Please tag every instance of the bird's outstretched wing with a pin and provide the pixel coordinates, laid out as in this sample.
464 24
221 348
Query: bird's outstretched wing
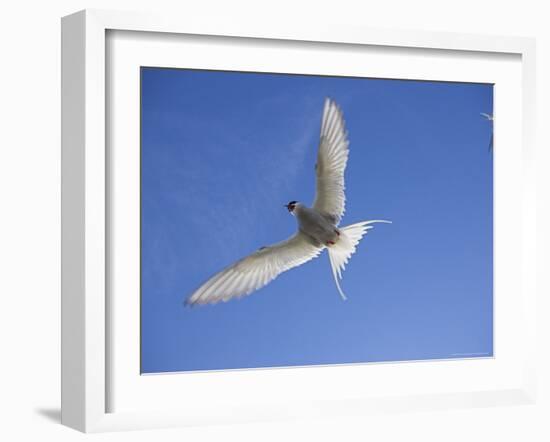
332 158
255 271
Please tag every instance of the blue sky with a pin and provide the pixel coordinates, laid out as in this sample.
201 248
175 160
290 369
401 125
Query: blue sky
221 154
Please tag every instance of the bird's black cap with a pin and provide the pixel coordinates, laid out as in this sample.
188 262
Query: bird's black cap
290 206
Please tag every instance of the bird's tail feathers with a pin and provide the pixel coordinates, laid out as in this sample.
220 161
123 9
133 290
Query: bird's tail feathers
340 252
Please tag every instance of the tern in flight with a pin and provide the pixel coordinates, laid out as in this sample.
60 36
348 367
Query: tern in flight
490 118
318 226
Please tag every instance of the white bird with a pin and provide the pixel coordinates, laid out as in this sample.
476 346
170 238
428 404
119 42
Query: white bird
490 118
317 226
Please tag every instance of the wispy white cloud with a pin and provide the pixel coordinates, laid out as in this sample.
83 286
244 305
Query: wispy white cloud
265 157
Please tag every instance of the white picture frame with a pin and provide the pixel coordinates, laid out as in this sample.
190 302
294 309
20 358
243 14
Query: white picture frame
86 315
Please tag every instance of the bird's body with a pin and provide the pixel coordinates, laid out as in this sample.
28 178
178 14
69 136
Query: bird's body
318 226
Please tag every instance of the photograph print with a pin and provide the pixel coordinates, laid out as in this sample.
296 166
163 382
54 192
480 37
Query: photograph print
301 220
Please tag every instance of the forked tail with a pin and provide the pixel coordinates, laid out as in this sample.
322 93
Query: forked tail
340 253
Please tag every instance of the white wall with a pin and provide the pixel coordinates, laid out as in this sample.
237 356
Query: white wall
30 221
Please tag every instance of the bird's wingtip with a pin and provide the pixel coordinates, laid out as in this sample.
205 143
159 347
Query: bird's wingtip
189 303
330 101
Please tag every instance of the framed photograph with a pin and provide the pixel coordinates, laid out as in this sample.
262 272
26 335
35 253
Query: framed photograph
265 223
